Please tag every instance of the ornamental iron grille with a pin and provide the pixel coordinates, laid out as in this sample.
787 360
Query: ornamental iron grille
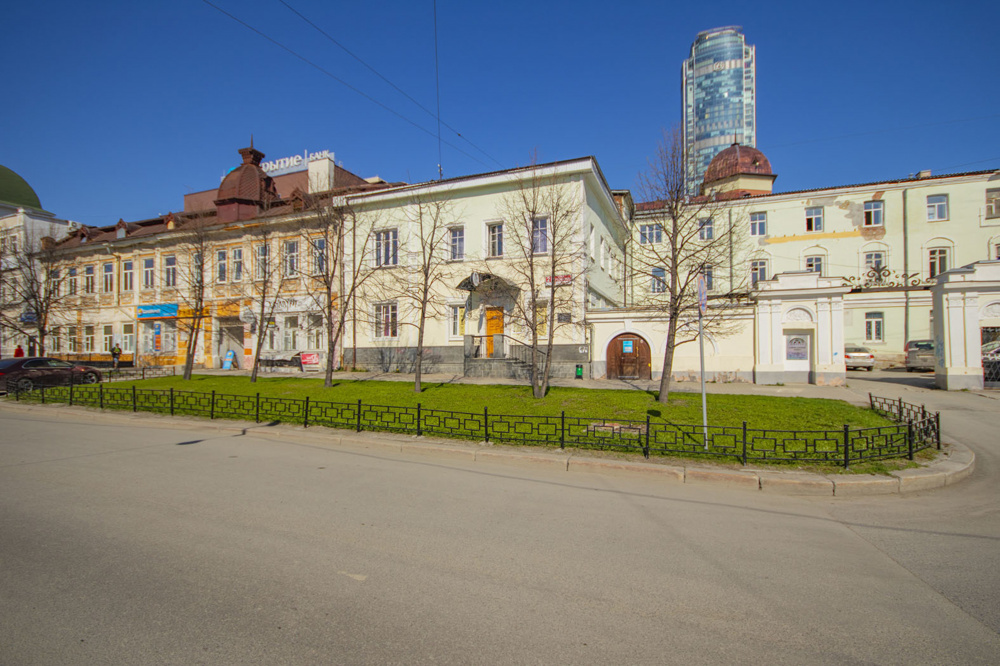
915 428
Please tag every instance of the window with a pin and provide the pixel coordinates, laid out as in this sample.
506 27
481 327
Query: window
170 271
318 256
814 219
540 236
659 284
159 336
291 333
221 266
315 332
874 327
128 275
385 320
937 207
938 261
72 282
457 318
291 263
709 273
55 341
88 338
495 232
73 341
261 261
542 319
706 229
198 268
758 224
993 203
108 278
758 271
456 244
874 260
109 338
148 274
814 264
237 264
650 233
873 213
128 338
387 248
88 280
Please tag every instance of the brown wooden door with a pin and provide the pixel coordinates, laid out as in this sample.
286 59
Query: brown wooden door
494 326
628 358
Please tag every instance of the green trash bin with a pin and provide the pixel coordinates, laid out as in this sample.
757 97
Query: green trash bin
579 371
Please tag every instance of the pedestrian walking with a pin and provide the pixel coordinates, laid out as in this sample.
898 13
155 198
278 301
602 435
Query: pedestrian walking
19 353
116 353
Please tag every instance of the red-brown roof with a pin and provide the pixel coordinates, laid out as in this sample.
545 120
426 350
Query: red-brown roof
737 160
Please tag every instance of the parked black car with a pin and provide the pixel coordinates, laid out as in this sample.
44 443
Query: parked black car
25 374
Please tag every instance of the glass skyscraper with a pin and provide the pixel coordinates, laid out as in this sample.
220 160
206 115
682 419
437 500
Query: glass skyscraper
719 97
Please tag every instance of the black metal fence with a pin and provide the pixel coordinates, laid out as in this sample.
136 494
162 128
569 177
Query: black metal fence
915 428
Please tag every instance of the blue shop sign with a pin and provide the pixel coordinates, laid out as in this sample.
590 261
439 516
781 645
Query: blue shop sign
158 311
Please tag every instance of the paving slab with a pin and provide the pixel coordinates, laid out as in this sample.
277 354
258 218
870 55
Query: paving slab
721 476
864 484
795 483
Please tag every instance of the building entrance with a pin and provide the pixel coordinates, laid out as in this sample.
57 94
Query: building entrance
628 358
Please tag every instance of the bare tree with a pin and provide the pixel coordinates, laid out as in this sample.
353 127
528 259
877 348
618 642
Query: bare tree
31 297
338 239
543 246
681 239
266 282
415 282
190 286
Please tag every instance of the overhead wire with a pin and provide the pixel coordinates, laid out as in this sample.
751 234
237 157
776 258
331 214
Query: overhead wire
389 82
339 80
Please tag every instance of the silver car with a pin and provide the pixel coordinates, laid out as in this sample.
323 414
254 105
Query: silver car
859 357
919 355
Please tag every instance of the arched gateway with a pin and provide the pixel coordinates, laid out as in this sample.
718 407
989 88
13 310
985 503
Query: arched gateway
628 357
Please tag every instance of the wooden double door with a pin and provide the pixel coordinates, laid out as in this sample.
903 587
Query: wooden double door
628 358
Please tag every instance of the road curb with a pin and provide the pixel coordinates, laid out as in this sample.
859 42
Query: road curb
955 463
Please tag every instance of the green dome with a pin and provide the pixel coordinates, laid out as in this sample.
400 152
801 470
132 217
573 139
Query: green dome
15 190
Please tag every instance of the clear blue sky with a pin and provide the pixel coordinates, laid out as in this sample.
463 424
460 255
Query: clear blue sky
117 109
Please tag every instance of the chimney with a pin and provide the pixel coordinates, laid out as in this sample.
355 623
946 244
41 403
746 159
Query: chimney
926 173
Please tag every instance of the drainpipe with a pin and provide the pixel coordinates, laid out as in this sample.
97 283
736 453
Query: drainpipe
906 271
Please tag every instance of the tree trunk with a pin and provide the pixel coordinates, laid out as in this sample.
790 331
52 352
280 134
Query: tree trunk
420 347
668 360
192 349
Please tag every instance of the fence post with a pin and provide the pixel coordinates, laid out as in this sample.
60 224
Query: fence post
71 393
144 373
43 395
211 411
900 408
305 414
909 440
645 448
937 419
745 442
257 409
171 400
923 413
562 430
100 393
135 404
419 431
871 400
486 425
847 445
359 415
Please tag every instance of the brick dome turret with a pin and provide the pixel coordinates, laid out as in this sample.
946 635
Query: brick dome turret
246 189
737 160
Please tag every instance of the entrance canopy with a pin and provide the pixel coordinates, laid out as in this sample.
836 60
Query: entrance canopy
485 282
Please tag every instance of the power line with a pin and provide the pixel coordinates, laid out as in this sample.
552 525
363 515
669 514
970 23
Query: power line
339 80
437 88
390 83
882 131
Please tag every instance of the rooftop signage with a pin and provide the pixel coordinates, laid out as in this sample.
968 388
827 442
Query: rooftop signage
293 163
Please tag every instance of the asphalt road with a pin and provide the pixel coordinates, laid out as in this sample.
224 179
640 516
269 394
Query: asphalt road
141 543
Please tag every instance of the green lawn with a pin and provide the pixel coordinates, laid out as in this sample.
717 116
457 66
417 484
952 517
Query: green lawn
684 408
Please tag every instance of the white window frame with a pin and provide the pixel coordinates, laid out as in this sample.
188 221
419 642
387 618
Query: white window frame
494 239
107 278
290 333
650 234
128 275
759 270
290 258
875 259
108 338
73 282
89 280
938 261
386 321
658 280
387 248
221 266
706 229
456 321
874 213
170 271
128 338
318 247
540 235
758 224
992 203
813 261
874 327
149 273
814 219
456 244
262 260
88 338
937 207
237 258
709 273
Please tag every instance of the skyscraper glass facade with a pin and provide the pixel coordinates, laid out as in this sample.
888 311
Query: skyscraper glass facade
719 81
